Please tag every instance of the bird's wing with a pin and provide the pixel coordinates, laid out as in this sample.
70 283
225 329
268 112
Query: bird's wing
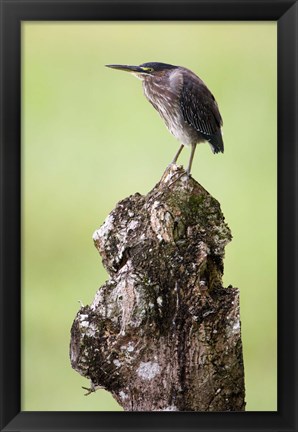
198 106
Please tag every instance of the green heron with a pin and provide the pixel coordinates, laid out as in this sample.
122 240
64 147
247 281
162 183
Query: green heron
185 103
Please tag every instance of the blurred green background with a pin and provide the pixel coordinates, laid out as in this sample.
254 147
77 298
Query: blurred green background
89 139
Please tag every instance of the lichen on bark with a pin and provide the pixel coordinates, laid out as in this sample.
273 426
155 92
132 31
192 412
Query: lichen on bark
163 334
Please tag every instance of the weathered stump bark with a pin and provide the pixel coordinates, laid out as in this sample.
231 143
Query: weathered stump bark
162 333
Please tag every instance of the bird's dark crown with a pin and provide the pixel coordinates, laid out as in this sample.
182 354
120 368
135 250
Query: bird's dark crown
157 67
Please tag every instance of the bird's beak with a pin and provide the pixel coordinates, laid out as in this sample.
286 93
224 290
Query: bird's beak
135 69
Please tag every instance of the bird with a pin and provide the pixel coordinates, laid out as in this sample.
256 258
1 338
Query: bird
184 102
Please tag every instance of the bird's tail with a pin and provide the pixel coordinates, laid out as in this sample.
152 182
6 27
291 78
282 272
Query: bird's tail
216 143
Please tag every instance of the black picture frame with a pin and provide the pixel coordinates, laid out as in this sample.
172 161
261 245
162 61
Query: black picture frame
12 12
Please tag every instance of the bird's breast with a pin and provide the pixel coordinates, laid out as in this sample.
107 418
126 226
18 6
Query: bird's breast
165 100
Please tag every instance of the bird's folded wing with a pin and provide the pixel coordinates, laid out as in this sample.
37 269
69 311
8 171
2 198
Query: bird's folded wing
199 107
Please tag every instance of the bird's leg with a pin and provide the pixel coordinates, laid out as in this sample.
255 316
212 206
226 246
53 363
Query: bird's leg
193 149
177 154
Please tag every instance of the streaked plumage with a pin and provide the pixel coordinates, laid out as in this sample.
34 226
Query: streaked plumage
184 102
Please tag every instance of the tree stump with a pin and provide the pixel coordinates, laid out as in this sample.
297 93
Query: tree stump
162 334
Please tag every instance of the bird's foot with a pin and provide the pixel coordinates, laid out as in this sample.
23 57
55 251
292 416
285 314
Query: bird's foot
172 165
178 178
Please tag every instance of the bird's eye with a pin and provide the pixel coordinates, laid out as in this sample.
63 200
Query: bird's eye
147 69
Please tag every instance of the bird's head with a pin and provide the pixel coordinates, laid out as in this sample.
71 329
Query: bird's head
145 70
